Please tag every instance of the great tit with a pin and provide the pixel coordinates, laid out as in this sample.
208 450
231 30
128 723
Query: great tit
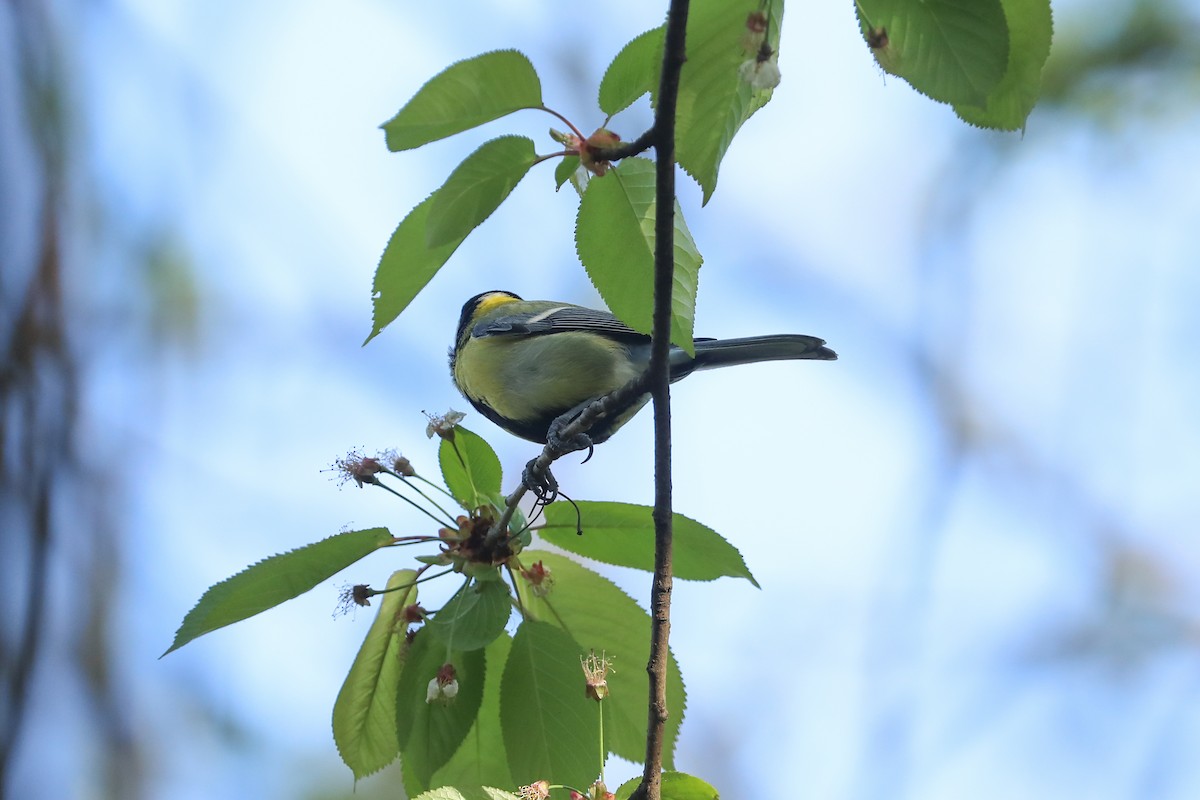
525 363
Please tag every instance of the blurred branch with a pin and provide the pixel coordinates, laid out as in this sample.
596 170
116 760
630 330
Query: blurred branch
1093 62
38 382
49 482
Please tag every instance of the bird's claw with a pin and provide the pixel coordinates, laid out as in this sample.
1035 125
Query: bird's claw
563 445
543 484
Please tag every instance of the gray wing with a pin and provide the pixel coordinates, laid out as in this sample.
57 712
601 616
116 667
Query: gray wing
557 319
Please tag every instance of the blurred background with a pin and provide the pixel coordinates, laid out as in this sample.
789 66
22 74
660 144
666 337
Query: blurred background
974 533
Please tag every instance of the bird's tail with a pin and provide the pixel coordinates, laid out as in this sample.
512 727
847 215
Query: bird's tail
712 353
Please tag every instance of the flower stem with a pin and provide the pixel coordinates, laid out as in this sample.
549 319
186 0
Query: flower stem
449 522
564 120
429 499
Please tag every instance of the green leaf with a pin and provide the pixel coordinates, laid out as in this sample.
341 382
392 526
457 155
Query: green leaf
442 793
364 715
601 617
407 264
634 72
490 793
464 95
954 51
1030 28
614 236
623 534
480 761
675 786
474 616
477 187
466 793
714 99
430 732
551 729
470 468
568 170
274 580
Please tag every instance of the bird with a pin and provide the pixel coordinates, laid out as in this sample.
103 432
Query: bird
532 366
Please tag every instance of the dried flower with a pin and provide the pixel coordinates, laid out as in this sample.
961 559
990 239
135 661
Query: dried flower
538 790
539 578
444 425
597 791
351 596
756 32
595 673
762 71
358 468
444 686
397 463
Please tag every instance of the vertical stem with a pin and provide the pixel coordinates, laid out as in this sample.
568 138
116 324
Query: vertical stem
603 747
674 54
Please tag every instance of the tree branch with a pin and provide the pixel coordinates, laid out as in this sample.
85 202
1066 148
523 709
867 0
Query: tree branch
626 149
656 379
674 55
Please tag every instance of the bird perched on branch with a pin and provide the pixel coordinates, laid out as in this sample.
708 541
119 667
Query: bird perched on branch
532 366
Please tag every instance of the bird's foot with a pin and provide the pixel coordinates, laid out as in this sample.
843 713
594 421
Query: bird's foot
541 482
561 445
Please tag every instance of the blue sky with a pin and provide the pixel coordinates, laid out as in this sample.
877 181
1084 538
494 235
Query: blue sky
974 532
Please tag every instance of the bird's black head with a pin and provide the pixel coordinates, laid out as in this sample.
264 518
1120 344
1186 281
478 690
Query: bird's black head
484 301
481 302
